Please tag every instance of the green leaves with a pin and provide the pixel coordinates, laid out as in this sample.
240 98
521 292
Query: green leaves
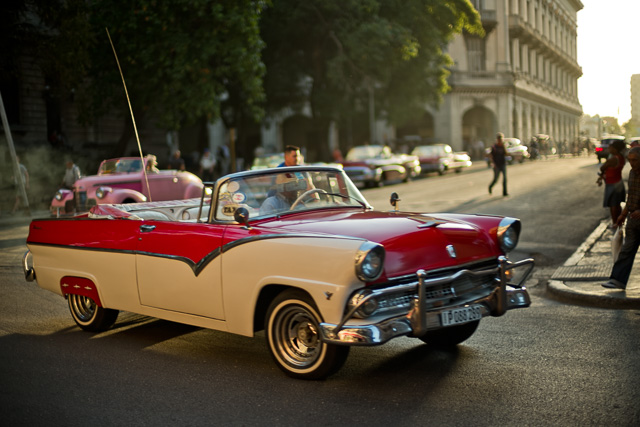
341 47
178 58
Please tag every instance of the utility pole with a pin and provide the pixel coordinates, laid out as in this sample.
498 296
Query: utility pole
16 167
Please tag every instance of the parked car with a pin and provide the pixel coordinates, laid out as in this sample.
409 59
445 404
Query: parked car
440 158
122 180
267 161
319 274
602 147
518 152
461 160
374 165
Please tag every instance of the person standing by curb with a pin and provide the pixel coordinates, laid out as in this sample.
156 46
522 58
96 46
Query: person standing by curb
611 173
624 263
497 157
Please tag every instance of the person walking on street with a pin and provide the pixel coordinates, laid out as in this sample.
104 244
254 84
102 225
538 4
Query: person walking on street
611 174
631 212
497 157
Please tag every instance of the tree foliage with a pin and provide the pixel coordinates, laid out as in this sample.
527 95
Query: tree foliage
631 128
178 58
331 52
181 59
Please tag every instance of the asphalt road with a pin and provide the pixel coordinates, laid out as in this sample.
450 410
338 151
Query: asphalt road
550 364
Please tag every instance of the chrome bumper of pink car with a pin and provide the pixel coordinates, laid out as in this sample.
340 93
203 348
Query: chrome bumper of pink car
419 320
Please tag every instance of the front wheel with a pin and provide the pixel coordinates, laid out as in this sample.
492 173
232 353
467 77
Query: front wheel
293 337
88 315
451 336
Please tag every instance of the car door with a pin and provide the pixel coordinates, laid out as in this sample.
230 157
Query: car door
164 185
178 267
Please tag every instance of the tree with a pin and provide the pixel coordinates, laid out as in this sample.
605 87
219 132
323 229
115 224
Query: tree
331 53
610 125
631 128
179 59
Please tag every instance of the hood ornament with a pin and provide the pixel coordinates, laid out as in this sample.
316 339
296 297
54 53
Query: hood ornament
452 251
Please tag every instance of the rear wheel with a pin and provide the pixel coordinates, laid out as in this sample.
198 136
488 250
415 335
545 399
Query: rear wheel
293 337
451 336
88 315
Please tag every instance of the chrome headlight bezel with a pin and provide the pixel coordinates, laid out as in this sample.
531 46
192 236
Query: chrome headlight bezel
102 192
369 261
509 233
59 195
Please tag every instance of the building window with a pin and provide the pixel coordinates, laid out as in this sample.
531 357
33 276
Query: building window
476 53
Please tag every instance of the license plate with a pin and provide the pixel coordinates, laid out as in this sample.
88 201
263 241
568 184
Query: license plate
461 315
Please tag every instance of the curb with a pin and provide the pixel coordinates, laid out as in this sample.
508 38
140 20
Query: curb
561 290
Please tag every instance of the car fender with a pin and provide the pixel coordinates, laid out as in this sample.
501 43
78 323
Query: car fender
66 195
324 267
193 191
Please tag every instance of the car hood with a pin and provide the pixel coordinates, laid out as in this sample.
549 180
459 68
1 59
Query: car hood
411 240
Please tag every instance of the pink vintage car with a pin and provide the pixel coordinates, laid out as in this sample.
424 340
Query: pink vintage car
122 180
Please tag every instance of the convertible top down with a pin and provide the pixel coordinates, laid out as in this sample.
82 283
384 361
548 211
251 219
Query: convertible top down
297 252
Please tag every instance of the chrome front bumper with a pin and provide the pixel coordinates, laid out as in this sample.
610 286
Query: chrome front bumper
419 319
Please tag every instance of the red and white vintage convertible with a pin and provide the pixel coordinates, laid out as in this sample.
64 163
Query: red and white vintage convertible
297 252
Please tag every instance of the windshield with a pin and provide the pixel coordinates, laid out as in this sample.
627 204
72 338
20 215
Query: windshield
366 152
431 150
120 166
284 190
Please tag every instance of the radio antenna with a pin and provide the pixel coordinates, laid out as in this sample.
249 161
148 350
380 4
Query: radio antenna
133 120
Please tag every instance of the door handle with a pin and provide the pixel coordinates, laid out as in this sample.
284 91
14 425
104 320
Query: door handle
145 228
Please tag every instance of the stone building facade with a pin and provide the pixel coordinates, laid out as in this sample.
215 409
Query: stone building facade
520 79
635 97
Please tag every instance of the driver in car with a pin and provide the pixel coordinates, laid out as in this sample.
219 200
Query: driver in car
288 188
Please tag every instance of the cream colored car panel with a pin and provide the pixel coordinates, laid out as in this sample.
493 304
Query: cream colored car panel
323 267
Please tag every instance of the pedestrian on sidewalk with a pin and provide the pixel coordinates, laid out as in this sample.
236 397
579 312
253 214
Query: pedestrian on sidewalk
497 157
631 212
611 174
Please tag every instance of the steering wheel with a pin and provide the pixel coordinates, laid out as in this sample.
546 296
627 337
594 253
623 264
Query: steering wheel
306 194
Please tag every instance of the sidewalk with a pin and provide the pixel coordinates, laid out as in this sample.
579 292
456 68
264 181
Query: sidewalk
579 279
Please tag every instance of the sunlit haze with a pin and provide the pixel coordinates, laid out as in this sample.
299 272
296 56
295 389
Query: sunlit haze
608 39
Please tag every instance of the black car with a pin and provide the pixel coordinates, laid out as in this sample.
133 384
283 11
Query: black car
602 148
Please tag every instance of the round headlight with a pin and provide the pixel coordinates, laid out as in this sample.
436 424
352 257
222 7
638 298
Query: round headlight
508 233
101 192
369 261
58 195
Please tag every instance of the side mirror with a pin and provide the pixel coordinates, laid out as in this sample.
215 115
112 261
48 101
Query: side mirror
394 200
241 215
